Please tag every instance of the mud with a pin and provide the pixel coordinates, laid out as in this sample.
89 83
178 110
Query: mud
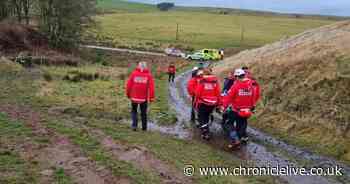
260 151
59 152
141 158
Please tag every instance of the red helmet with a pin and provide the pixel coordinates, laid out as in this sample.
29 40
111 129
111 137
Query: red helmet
245 113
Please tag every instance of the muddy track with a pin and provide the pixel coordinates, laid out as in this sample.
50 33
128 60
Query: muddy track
262 150
60 152
138 156
141 158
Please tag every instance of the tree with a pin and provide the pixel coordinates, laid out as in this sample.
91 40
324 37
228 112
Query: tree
16 8
4 9
165 6
26 7
17 5
63 21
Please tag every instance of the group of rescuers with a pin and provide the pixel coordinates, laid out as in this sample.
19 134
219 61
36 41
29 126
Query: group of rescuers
236 101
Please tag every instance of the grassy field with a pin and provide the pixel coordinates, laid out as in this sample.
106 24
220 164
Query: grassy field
152 29
47 90
123 6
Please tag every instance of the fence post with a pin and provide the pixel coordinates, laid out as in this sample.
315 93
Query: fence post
177 31
242 34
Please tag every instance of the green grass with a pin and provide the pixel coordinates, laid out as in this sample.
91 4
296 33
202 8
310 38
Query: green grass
103 97
163 147
61 177
13 169
197 29
343 66
123 6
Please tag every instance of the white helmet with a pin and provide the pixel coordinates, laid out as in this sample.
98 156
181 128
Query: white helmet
195 69
239 72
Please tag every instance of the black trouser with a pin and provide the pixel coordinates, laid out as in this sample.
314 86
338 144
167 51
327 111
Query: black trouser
241 124
204 112
229 125
171 77
224 122
134 115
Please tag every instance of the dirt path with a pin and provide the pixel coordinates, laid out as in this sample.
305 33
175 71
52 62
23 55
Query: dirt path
60 152
255 151
140 157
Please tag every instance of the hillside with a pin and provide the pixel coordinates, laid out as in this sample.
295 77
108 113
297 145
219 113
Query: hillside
305 81
140 26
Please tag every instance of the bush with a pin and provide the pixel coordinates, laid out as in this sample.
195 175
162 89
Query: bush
99 56
165 6
47 76
78 76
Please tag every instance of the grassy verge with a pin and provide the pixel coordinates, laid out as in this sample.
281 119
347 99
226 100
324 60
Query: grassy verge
311 115
13 169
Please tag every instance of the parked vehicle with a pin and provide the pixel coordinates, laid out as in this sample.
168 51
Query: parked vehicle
196 56
205 54
174 52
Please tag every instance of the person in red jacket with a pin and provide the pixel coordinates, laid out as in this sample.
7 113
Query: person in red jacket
256 86
171 72
140 90
207 98
241 100
191 86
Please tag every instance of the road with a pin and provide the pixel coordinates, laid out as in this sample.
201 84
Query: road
123 50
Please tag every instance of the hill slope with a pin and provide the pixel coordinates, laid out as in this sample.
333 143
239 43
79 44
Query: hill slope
305 81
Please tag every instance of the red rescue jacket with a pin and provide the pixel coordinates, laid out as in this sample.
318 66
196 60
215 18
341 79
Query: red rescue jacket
257 91
192 85
256 86
241 95
208 91
140 86
172 69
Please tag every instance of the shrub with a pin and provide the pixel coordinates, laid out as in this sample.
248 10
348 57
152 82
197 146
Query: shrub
47 76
